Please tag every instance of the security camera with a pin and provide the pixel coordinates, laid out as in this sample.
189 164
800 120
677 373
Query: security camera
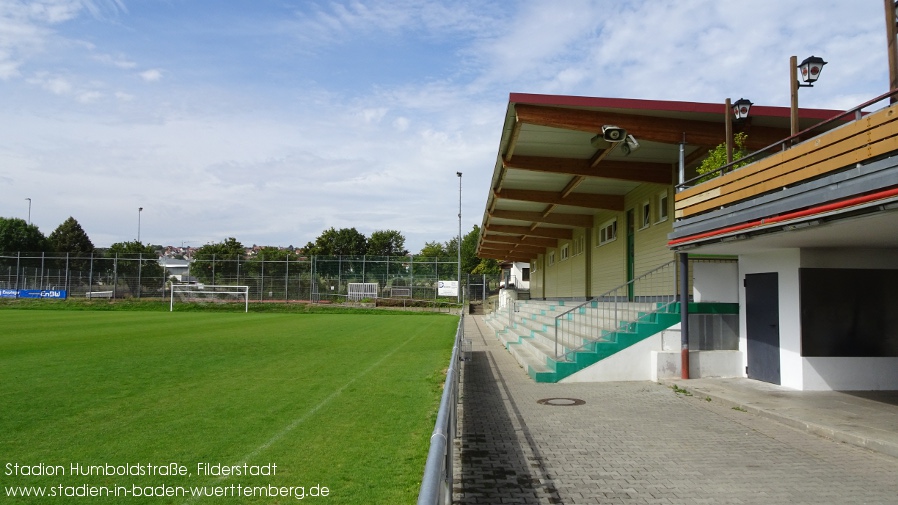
629 145
597 142
612 133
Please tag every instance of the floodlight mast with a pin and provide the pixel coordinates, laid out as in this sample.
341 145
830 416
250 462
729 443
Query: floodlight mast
458 291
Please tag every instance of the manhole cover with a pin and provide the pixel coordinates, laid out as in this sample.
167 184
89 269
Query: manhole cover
561 402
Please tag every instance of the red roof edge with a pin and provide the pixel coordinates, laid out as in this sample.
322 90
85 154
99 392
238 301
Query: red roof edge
659 105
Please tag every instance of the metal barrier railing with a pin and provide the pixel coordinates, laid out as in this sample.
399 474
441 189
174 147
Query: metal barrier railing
436 485
599 318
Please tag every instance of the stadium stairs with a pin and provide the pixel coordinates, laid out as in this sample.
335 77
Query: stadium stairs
529 335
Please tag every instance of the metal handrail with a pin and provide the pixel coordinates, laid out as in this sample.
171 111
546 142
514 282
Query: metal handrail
436 485
615 298
781 144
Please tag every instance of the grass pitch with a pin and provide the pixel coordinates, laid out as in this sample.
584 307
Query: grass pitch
341 401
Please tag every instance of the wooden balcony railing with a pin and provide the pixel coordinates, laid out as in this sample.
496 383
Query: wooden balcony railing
842 148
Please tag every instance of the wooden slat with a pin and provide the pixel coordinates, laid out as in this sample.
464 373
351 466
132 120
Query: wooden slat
870 122
790 178
854 143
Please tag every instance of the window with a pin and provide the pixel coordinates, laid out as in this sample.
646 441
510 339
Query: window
646 215
663 211
525 274
579 245
551 258
565 252
608 232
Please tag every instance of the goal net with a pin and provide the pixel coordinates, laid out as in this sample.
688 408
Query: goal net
207 293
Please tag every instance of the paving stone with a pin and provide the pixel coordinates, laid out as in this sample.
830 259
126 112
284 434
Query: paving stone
639 443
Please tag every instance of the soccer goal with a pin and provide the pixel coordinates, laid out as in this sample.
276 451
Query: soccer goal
207 293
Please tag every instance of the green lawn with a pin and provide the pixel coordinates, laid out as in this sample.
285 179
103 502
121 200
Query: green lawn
344 401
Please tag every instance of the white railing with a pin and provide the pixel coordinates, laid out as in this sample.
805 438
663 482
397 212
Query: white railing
599 318
436 485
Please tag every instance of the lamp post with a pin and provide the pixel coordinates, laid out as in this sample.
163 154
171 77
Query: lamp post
892 51
139 210
459 237
734 111
29 210
810 72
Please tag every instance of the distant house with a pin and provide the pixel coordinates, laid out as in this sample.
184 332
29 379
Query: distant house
177 268
515 275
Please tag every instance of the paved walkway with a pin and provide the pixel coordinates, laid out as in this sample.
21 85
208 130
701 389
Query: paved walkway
642 443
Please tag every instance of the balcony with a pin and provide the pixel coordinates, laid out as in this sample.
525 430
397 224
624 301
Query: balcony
844 172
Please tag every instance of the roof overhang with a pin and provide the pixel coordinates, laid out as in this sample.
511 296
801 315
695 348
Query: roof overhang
548 178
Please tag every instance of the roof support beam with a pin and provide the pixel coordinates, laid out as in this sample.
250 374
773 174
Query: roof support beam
572 220
559 233
658 129
587 200
523 241
659 173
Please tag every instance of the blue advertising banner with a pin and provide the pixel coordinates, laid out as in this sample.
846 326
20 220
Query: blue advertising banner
8 293
42 293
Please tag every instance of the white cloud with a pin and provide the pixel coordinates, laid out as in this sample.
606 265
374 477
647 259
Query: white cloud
151 75
89 96
374 115
247 142
401 123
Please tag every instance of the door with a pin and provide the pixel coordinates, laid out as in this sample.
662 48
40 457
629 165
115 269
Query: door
631 252
762 325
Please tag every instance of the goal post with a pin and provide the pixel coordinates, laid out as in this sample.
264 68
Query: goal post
208 293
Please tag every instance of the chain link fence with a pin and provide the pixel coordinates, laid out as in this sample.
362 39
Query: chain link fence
302 279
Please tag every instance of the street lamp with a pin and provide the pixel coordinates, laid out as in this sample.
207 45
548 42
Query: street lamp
29 210
738 111
741 107
810 72
139 210
459 237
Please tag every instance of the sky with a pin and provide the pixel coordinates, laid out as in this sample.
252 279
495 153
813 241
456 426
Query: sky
273 120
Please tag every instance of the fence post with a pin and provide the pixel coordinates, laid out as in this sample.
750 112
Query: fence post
286 278
139 268
18 262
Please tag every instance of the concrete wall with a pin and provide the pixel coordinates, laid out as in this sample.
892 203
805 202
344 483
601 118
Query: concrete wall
816 373
715 282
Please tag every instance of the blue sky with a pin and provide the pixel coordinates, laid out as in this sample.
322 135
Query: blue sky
271 121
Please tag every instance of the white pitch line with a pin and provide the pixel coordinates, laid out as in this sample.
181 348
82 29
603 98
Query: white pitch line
301 419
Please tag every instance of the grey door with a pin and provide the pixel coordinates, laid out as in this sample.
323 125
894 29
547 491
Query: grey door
762 324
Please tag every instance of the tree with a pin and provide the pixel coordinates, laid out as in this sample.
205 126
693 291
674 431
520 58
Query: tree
717 157
218 263
386 243
70 239
342 242
272 262
433 250
18 236
469 259
137 265
488 267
